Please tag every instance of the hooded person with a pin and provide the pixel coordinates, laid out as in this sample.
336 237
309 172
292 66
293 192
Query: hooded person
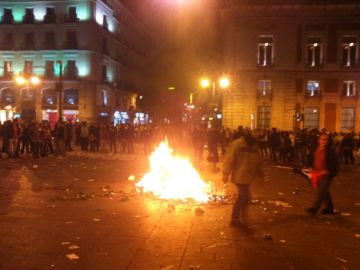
242 164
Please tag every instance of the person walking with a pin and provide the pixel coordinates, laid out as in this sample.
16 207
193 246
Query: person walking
212 142
347 146
69 135
325 168
84 136
244 164
60 136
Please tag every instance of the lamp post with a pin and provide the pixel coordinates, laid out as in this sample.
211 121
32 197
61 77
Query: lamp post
26 80
223 82
59 89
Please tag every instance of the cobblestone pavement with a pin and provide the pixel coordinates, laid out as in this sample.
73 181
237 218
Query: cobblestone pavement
81 212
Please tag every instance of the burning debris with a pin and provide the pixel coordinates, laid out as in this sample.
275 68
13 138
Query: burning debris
173 177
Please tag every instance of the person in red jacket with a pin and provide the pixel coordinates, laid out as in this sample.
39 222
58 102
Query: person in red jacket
325 168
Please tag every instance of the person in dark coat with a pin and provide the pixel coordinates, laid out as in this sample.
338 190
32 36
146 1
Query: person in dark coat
213 140
347 146
325 168
274 143
69 135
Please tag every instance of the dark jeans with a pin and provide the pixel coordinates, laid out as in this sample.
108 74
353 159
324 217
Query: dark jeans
323 195
113 145
35 149
273 153
84 141
68 144
242 202
348 156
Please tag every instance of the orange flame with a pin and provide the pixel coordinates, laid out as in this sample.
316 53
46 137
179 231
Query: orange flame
172 177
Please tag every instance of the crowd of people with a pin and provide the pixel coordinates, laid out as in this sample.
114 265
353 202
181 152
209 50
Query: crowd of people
40 140
243 150
287 147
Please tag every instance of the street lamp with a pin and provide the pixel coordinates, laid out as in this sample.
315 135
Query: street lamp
223 82
21 80
26 80
59 88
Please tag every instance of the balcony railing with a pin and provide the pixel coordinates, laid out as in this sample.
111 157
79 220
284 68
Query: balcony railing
350 65
316 64
264 93
313 94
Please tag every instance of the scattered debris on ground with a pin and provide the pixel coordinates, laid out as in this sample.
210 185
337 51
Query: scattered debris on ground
72 256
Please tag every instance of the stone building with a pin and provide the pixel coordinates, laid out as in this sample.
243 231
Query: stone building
294 64
100 46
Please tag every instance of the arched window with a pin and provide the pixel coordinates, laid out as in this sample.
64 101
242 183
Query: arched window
49 97
71 97
7 96
28 94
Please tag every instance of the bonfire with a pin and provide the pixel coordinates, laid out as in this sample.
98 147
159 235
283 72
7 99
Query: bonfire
173 178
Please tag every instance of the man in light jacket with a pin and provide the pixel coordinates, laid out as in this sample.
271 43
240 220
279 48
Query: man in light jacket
243 164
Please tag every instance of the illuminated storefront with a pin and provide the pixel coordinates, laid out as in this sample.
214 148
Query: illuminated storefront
61 34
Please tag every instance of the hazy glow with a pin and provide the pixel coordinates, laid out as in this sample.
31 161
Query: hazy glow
83 11
39 13
34 80
224 82
99 16
205 83
18 12
111 26
83 68
20 80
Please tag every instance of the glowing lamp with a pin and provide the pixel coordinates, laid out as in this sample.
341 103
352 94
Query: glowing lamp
34 80
20 80
205 83
224 82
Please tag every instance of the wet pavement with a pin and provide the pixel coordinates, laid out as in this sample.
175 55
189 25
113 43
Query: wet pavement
81 212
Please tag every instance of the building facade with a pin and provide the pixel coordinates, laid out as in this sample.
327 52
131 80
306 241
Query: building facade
294 64
91 51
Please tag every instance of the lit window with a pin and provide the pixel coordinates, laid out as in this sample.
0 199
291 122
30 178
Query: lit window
263 117
311 117
104 97
71 97
349 89
314 52
7 96
29 17
347 119
265 51
49 69
8 70
71 70
28 67
72 15
313 88
49 97
350 51
264 88
50 16
8 17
